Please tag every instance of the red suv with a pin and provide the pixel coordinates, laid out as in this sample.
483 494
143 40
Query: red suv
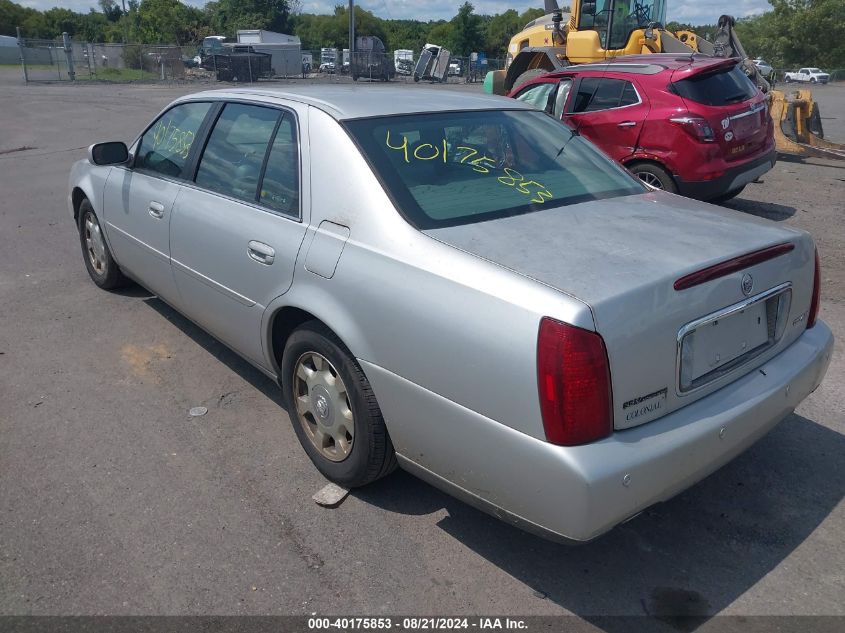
691 125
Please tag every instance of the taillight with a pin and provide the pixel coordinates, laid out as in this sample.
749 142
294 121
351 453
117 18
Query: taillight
696 127
817 289
573 377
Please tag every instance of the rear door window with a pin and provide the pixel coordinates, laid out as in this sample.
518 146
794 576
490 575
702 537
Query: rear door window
280 183
234 156
602 93
721 87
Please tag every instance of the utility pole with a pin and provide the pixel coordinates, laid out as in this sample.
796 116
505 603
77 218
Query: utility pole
351 30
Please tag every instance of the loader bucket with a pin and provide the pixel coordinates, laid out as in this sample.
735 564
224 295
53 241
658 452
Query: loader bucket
798 127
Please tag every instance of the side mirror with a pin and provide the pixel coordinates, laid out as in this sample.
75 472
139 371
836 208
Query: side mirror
112 153
588 8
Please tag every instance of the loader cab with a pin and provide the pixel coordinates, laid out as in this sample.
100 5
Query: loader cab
607 28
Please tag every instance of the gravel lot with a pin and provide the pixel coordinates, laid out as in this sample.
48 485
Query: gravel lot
113 500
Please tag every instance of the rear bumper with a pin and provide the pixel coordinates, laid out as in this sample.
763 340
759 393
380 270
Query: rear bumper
577 493
733 178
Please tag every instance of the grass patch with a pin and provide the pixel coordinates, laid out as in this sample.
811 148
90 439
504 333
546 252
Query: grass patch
123 74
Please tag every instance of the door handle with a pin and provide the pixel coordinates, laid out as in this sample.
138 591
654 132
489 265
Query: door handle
156 209
626 124
261 252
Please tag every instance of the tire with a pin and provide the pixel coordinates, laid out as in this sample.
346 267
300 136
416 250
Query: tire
787 80
99 262
354 77
320 413
727 196
416 78
655 176
812 80
528 75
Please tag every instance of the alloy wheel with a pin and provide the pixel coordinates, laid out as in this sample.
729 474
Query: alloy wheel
650 180
95 246
322 406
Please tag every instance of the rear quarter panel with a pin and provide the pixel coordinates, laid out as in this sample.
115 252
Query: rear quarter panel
456 325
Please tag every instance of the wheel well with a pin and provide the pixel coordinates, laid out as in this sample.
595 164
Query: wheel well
285 321
77 196
648 161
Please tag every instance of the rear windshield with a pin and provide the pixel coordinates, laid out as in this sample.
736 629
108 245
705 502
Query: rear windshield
723 87
454 168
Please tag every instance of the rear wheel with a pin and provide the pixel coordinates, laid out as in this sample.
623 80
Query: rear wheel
654 176
101 266
333 408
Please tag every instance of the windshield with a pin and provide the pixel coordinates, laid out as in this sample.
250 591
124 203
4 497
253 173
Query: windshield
455 168
815 70
617 18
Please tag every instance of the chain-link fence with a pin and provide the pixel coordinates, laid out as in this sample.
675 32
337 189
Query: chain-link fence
66 60
53 60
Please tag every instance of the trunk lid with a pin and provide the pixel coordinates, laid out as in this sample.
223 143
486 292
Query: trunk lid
623 256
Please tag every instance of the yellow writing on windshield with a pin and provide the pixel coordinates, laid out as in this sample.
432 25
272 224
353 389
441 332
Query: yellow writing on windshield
465 155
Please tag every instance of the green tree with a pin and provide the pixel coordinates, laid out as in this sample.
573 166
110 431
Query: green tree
111 10
228 16
500 29
466 31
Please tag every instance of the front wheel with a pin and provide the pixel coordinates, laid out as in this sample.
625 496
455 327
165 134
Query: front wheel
654 177
99 262
333 408
812 80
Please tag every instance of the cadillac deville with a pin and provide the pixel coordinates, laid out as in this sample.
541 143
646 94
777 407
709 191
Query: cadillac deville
466 288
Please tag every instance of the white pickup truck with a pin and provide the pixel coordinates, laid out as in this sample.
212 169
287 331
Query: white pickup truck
813 75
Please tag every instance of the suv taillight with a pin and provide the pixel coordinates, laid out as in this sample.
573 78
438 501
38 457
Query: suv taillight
573 377
696 127
817 289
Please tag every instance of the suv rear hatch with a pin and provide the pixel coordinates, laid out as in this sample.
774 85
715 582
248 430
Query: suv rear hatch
667 347
728 100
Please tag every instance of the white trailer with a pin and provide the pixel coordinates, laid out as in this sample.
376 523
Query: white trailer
284 50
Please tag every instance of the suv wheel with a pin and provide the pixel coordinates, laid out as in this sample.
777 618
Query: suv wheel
654 176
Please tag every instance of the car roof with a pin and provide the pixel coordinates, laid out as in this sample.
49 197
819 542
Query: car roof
345 102
650 64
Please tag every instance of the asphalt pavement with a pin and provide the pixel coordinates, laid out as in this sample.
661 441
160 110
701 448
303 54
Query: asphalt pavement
114 500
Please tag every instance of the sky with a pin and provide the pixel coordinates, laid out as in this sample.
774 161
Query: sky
688 11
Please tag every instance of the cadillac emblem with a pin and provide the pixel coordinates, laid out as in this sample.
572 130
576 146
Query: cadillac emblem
747 284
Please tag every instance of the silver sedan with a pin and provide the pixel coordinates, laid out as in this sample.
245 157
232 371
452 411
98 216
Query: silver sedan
461 286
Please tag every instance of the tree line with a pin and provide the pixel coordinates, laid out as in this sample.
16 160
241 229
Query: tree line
793 33
171 21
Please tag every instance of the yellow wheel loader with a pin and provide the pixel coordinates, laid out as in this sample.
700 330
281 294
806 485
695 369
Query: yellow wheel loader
597 30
